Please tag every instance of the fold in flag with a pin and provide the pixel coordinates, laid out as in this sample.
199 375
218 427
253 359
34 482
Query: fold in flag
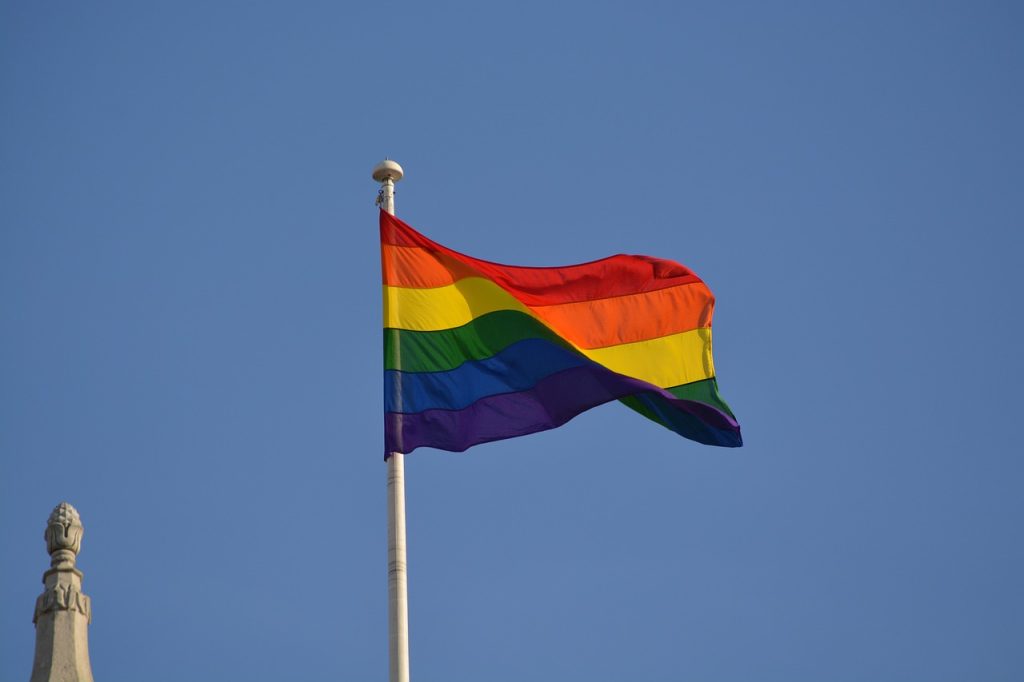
476 351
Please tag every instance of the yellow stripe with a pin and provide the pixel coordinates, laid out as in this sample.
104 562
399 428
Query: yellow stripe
428 310
664 361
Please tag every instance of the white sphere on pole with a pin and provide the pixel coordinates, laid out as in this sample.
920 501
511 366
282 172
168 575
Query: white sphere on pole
387 170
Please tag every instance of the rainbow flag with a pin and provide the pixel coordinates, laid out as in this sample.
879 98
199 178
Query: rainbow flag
476 351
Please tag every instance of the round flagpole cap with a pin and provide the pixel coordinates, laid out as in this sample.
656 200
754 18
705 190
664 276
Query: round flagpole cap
387 170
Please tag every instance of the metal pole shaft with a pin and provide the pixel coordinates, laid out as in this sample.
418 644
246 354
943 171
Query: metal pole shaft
398 580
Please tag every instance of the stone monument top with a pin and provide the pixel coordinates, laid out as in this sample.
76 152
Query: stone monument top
63 612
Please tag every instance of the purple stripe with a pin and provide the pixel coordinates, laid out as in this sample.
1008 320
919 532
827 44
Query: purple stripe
551 402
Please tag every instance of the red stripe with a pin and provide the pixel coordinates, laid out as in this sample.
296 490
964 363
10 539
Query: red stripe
618 275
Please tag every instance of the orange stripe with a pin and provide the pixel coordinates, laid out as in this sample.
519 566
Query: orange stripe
416 268
587 324
627 319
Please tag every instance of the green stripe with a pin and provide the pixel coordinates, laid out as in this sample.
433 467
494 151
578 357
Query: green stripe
440 351
705 391
485 336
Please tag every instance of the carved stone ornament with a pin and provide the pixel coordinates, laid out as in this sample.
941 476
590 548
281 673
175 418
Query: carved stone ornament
63 536
63 598
63 612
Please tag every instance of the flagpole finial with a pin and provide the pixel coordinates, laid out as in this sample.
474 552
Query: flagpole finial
387 170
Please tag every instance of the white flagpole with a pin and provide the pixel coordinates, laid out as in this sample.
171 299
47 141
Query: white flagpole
387 173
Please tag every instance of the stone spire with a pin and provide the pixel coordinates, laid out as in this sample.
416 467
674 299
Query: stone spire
63 612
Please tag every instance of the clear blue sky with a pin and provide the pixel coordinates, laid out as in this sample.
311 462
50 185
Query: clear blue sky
190 335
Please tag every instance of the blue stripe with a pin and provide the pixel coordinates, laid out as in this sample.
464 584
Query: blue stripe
515 368
554 400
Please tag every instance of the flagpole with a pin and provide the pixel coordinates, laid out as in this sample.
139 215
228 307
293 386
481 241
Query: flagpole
387 173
